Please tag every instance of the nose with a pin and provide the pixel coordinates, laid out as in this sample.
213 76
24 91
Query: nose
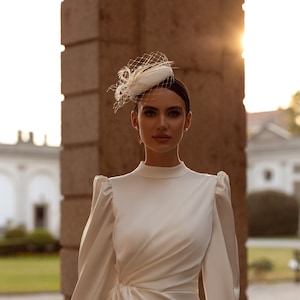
162 123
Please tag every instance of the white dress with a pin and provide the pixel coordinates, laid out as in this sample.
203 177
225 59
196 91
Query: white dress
152 231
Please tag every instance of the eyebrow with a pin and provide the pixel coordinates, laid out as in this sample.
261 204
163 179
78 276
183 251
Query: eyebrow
169 108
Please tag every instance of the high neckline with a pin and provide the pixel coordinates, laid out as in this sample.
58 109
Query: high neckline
161 172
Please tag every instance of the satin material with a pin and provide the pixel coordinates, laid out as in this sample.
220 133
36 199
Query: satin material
152 231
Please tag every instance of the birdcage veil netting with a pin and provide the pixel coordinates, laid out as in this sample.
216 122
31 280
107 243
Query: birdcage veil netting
140 75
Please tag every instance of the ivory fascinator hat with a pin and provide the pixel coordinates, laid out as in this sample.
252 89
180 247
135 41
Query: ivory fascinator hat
140 75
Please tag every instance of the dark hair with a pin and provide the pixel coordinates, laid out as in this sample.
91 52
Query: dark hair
181 90
177 87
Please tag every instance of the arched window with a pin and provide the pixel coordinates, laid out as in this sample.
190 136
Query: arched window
268 175
40 216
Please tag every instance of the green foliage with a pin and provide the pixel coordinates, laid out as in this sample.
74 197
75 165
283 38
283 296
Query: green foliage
41 237
13 246
272 213
18 241
294 114
41 240
262 264
260 267
18 232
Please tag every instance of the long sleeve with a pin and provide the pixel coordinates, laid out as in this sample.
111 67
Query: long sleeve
96 275
221 266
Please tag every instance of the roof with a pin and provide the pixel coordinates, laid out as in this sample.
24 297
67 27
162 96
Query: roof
257 121
269 131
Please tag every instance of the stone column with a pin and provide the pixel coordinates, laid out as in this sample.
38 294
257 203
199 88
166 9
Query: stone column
204 39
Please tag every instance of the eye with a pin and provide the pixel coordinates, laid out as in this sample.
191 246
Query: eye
149 113
174 113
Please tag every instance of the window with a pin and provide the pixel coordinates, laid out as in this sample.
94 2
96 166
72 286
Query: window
40 216
268 175
297 169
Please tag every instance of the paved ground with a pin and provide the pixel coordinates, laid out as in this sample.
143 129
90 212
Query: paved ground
281 291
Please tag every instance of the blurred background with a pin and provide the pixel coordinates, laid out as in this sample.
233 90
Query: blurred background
30 102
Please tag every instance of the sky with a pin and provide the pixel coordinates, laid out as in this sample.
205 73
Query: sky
272 53
30 49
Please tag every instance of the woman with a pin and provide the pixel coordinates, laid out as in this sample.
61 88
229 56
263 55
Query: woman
151 232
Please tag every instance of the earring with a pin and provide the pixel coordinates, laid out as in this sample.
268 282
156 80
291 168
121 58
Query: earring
140 140
186 129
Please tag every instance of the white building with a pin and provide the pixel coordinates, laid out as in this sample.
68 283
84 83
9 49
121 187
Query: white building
30 185
273 155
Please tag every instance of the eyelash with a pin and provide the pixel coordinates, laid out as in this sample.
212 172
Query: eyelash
172 113
149 113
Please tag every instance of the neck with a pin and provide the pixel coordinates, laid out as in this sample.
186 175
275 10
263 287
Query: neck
162 159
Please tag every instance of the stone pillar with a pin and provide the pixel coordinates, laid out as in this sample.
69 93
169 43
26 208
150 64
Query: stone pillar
204 39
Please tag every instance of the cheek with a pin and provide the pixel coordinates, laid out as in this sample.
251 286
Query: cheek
144 126
179 126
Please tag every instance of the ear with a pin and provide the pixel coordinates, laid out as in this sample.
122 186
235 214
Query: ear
134 120
188 121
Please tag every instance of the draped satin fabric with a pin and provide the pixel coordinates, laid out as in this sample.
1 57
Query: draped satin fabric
152 231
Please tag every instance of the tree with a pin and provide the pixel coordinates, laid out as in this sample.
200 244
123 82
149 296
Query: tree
294 114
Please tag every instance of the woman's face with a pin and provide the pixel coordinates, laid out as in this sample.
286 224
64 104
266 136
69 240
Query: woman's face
161 121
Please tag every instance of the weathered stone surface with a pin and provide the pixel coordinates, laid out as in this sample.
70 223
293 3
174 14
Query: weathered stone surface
68 258
80 119
80 69
74 216
186 32
126 22
79 21
79 165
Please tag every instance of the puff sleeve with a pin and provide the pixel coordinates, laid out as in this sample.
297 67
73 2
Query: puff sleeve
96 260
220 268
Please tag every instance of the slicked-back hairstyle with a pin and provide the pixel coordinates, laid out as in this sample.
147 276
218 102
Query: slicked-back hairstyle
177 87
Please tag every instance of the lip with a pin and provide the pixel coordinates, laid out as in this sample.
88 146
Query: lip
161 137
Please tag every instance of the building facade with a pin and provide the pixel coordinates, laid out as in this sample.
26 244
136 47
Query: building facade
273 155
29 185
274 161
